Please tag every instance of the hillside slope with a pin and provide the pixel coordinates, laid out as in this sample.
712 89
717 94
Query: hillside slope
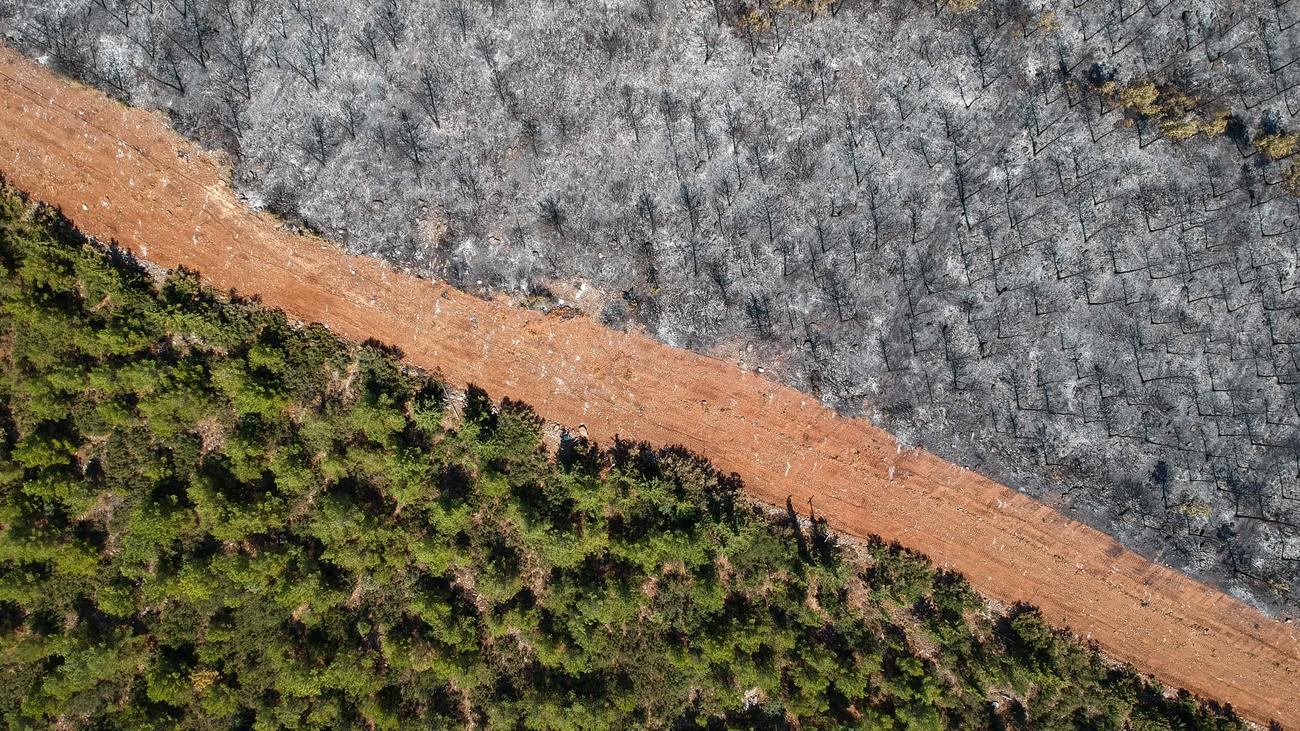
210 518
121 174
1053 241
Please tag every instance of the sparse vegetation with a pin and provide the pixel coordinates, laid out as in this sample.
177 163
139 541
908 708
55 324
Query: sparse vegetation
1177 115
1277 146
211 518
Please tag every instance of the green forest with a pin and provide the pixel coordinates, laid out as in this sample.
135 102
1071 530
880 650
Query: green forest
211 517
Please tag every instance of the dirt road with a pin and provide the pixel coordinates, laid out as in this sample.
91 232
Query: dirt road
123 174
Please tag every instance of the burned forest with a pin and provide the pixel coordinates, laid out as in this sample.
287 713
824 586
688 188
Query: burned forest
1055 242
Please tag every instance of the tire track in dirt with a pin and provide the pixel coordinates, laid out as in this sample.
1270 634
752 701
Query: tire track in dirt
122 174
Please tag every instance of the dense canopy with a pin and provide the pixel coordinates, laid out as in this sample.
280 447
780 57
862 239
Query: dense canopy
211 517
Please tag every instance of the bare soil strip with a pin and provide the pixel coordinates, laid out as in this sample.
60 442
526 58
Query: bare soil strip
122 174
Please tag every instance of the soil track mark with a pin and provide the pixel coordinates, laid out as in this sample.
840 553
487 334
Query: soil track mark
122 174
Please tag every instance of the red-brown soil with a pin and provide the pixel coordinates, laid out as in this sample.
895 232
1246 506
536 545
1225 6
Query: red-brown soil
122 174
